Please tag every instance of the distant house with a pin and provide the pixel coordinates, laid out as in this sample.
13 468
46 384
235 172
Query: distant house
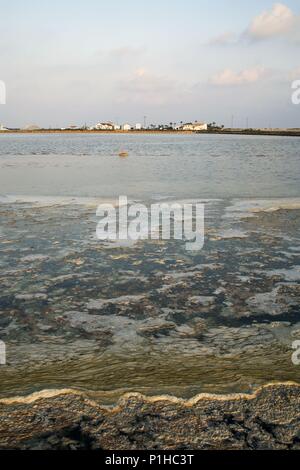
194 126
138 127
31 127
104 126
126 127
2 128
73 128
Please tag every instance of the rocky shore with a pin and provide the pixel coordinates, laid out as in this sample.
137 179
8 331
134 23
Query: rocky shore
68 419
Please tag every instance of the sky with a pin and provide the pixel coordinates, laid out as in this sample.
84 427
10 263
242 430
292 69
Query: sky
69 62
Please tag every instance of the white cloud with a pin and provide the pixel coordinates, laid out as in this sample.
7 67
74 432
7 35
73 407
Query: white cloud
275 22
120 55
126 51
223 39
228 77
147 87
279 21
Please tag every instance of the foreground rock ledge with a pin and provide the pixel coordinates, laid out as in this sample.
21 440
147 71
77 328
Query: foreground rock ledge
66 419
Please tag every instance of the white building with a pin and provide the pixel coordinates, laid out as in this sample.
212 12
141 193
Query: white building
104 126
2 128
72 128
138 127
126 127
194 126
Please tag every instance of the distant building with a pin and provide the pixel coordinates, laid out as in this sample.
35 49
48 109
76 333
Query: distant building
2 128
138 127
126 127
31 127
73 128
194 126
104 126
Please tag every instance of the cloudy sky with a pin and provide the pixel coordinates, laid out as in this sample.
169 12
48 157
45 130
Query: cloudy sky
70 62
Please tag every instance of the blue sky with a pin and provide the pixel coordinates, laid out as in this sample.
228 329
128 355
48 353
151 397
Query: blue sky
70 62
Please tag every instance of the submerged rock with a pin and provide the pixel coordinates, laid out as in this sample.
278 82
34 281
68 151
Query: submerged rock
38 296
32 258
161 328
202 300
119 301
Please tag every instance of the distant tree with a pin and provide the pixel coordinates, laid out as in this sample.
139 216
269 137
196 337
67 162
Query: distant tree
214 126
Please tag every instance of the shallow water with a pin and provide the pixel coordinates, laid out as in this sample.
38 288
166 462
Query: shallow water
158 165
151 316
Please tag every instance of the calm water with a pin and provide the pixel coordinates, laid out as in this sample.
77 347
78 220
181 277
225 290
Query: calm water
180 166
149 317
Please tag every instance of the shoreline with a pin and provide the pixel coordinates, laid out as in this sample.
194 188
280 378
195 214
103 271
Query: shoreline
93 396
246 132
71 420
